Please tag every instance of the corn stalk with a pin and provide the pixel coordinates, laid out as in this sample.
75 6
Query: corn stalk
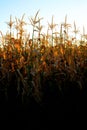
10 25
52 26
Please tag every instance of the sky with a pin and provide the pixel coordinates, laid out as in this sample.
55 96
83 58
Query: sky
74 9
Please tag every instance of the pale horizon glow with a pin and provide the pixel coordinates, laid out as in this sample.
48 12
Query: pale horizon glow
74 9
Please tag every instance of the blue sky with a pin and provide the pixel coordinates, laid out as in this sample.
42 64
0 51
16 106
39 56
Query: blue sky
75 10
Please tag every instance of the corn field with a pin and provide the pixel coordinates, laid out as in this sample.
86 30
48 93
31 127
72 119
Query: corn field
28 66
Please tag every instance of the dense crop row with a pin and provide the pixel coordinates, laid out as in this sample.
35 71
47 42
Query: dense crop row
29 66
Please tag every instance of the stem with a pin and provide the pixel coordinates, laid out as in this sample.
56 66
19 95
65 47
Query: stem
52 37
33 37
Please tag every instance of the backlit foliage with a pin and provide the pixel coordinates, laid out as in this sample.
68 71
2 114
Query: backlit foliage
54 57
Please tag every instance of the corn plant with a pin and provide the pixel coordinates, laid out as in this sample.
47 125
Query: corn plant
22 23
66 27
16 27
33 22
10 25
76 31
31 69
52 26
39 29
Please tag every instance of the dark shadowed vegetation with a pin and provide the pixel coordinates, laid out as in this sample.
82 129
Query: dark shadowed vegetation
43 74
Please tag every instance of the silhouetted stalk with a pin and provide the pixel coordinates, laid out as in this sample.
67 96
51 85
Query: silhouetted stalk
66 26
21 25
61 35
39 29
17 27
33 37
75 31
33 22
10 24
52 26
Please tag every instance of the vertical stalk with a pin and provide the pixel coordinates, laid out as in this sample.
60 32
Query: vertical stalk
61 36
52 36
33 37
